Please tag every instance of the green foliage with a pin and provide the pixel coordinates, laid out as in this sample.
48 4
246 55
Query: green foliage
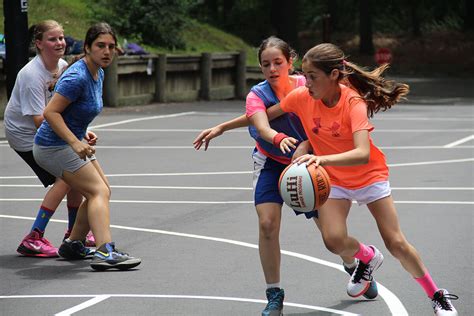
151 22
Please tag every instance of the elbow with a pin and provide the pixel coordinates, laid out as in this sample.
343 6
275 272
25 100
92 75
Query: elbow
364 158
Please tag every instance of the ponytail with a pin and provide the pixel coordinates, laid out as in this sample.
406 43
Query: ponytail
375 90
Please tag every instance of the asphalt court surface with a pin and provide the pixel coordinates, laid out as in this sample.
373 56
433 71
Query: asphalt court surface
189 215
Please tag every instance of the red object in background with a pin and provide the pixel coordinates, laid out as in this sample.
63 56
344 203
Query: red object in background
383 56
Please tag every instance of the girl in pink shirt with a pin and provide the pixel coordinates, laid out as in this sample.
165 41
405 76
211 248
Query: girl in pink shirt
335 118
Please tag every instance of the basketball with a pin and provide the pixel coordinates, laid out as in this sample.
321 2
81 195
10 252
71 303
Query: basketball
304 188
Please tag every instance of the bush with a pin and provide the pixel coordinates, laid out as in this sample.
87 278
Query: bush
152 22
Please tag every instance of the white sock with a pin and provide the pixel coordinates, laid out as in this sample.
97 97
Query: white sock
350 265
269 286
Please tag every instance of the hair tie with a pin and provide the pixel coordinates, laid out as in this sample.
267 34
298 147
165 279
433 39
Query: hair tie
344 62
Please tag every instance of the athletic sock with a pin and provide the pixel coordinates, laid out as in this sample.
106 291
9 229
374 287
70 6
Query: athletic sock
273 285
71 213
42 219
350 265
427 284
365 253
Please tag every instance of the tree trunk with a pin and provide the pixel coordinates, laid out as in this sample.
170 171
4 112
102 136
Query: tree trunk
284 19
366 45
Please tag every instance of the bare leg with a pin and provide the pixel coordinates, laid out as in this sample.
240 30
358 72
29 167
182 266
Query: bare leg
269 217
89 182
332 218
386 217
345 259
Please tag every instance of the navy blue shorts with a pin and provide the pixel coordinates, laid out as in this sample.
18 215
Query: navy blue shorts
266 174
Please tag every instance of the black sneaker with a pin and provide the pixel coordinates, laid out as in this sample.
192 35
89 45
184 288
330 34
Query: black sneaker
275 298
372 292
441 302
107 257
74 250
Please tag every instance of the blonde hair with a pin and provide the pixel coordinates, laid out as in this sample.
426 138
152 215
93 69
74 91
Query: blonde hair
376 91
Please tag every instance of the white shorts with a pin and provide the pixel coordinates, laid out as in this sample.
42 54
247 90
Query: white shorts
366 195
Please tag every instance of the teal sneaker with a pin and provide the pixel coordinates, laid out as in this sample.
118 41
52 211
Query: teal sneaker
107 257
275 298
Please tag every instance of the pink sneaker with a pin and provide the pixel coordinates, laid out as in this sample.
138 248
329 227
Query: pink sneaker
35 245
90 240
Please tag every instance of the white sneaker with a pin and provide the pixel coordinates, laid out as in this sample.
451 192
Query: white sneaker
441 302
362 276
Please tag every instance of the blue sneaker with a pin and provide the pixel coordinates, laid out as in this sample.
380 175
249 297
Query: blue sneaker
107 257
275 298
74 250
372 291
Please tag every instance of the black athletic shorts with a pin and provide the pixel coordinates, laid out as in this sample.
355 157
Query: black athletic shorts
45 177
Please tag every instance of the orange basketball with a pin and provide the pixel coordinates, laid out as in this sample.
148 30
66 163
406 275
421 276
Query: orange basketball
304 188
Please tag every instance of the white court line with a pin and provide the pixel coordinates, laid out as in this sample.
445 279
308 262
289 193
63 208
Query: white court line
408 164
95 300
158 187
228 202
242 130
219 298
394 304
146 118
459 142
252 146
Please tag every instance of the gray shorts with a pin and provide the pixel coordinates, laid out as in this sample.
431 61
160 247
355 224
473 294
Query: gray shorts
57 159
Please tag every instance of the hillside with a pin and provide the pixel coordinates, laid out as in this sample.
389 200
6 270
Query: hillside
75 17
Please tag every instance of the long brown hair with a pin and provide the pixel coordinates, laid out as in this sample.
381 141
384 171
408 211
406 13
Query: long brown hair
376 91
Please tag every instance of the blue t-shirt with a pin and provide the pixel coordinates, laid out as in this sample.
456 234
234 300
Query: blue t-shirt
85 94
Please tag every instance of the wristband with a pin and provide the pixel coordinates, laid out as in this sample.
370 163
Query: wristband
278 138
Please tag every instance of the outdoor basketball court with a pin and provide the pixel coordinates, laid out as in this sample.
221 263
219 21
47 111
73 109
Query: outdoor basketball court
189 215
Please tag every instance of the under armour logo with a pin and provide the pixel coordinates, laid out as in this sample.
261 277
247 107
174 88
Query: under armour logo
317 124
335 129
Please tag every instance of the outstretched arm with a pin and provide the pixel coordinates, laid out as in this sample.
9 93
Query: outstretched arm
261 122
206 135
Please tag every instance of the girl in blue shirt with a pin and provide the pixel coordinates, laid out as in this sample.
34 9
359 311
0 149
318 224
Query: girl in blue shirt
58 149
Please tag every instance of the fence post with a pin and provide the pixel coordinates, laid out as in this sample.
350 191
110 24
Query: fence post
206 75
240 78
110 93
160 78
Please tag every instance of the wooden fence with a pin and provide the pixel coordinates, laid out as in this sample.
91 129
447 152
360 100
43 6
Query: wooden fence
137 80
133 80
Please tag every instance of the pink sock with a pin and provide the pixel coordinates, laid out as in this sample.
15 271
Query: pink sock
365 253
427 284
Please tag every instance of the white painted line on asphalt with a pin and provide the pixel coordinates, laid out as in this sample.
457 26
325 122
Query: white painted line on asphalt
251 147
234 188
95 300
394 304
229 202
243 130
436 162
459 142
140 119
165 130
199 297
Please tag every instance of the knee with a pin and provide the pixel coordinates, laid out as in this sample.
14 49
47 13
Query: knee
334 243
100 191
397 246
269 228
